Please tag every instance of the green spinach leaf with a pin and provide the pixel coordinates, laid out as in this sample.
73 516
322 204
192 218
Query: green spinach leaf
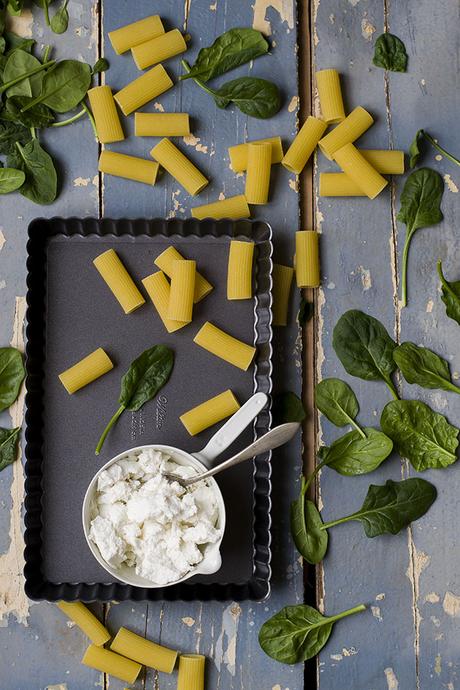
60 20
15 42
310 540
15 7
298 633
232 49
352 454
65 86
415 149
9 439
424 367
364 347
100 65
12 374
450 294
335 399
17 64
147 374
390 53
10 180
420 207
25 75
39 116
10 132
421 435
288 407
41 178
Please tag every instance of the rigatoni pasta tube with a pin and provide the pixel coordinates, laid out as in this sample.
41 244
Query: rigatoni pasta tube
258 173
129 167
105 113
165 261
225 346
282 281
143 89
108 662
144 651
86 621
158 289
161 124
131 35
86 371
239 272
210 412
159 49
385 161
360 171
182 290
347 131
330 96
239 153
119 281
297 155
307 259
233 207
179 166
191 672
338 184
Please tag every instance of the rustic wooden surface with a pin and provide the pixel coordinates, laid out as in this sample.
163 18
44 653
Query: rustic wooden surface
408 638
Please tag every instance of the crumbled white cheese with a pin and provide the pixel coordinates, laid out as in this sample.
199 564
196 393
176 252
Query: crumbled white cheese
142 519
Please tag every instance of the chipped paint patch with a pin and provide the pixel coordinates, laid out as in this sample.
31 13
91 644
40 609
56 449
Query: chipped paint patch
95 181
367 28
432 598
293 104
438 157
429 306
436 622
451 604
380 597
392 681
366 278
221 196
376 613
285 9
60 686
314 17
159 107
21 25
230 620
451 186
12 597
191 140
294 184
188 621
351 651
336 657
2 239
81 181
437 665
353 3
276 687
213 7
2 284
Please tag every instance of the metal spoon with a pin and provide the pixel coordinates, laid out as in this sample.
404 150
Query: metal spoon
272 439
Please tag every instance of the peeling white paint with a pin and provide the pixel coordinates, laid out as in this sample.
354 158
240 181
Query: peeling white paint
438 157
376 613
191 140
60 686
436 622
285 9
294 185
432 598
353 3
451 604
380 597
81 181
419 561
2 284
314 17
2 239
336 657
452 187
438 665
230 620
351 651
293 104
429 306
392 681
367 28
159 107
366 278
190 622
221 196
213 7
21 25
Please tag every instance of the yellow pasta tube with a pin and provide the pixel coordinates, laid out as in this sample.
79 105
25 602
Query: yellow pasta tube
233 207
338 184
131 35
210 412
191 672
239 274
143 89
165 263
144 651
307 259
105 113
360 171
385 161
108 662
182 290
158 289
330 96
258 173
119 281
129 167
161 124
86 371
225 346
282 281
297 155
347 131
159 49
179 166
239 153
86 621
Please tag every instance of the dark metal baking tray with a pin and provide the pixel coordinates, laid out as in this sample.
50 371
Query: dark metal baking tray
70 313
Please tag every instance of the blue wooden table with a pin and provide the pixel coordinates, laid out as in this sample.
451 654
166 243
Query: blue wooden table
408 638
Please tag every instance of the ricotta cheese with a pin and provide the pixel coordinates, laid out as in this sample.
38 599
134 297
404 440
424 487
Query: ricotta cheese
143 520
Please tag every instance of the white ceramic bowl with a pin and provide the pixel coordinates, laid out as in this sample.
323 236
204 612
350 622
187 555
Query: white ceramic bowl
212 560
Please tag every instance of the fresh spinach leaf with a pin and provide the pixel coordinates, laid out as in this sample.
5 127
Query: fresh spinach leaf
100 65
10 180
44 4
352 454
450 293
65 86
60 20
147 374
364 347
17 64
390 53
25 75
298 633
310 540
39 116
288 407
9 439
420 207
335 399
41 178
424 367
306 311
10 132
15 42
232 49
15 7
415 149
12 374
389 508
421 435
